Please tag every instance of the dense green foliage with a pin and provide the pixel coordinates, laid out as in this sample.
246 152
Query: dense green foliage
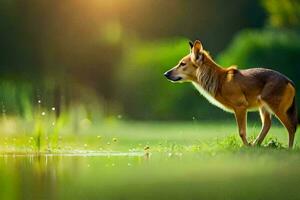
73 53
283 13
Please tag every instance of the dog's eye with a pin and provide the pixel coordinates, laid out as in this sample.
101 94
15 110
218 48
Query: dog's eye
182 64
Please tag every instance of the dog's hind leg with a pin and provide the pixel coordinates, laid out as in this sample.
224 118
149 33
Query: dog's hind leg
283 117
266 125
280 106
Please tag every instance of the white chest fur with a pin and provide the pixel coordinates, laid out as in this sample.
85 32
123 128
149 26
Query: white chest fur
210 98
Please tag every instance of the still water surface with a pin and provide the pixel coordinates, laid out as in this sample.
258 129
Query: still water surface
160 176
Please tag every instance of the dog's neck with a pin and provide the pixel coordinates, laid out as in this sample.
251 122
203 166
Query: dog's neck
208 75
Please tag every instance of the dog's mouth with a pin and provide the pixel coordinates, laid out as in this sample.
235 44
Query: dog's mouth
176 79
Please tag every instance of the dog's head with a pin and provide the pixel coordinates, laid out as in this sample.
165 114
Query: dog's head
187 67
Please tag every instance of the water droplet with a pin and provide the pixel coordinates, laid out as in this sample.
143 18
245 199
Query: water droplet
53 108
39 101
43 113
146 148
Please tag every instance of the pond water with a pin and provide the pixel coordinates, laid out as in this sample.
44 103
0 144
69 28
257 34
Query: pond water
104 175
70 175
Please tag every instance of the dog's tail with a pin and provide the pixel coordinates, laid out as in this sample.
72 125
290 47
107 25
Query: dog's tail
293 114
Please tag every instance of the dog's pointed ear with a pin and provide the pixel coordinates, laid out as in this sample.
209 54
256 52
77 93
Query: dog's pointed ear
191 44
196 51
198 45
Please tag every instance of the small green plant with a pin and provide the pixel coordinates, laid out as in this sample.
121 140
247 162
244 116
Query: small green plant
229 142
273 143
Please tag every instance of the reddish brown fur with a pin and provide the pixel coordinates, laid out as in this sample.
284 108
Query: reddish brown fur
238 91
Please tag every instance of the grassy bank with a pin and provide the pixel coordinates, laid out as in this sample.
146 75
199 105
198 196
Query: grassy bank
133 136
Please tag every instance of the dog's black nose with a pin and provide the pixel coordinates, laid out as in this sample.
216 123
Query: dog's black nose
167 74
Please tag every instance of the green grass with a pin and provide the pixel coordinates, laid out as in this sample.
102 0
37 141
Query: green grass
194 160
133 136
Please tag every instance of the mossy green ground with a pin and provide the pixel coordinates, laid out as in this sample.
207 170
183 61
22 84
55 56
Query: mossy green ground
183 161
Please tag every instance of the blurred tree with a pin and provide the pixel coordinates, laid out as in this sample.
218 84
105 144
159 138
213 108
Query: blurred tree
283 13
214 22
65 50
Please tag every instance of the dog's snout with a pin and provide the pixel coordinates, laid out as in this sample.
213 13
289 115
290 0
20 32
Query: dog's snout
171 76
167 74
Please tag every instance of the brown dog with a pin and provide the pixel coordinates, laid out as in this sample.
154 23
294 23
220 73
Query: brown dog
238 91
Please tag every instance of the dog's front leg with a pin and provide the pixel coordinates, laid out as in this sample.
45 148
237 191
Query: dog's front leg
241 119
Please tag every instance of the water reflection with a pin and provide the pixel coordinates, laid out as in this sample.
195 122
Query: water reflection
161 176
45 176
